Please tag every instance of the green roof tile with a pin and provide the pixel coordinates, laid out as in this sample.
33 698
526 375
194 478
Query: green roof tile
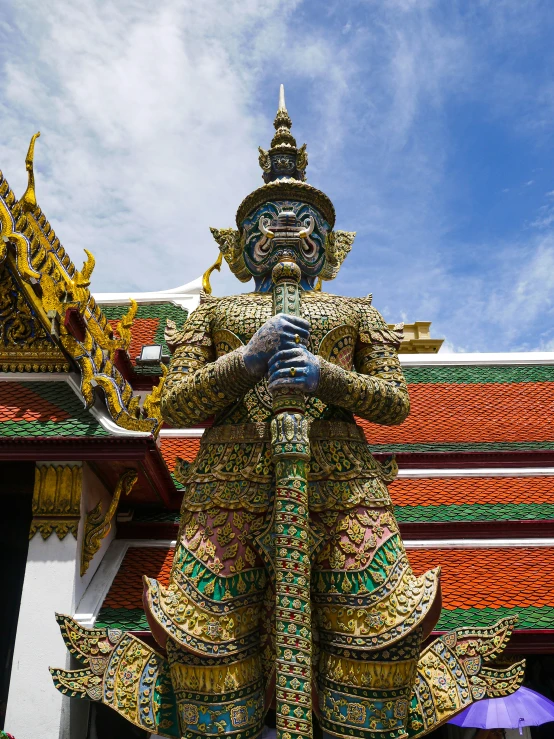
36 409
133 619
178 484
480 374
128 619
475 512
532 617
492 446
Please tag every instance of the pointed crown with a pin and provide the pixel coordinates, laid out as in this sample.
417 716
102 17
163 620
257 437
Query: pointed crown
283 159
284 171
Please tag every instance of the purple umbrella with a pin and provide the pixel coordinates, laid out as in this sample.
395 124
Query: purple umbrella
522 708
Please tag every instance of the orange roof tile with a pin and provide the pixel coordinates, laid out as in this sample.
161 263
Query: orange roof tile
496 577
18 402
172 448
126 589
474 412
470 490
488 577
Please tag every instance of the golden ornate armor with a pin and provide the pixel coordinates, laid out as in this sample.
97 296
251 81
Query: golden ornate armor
364 594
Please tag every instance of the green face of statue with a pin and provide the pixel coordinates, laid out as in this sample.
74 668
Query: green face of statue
287 229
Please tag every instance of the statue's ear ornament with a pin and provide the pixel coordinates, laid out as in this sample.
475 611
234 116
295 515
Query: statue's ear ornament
337 247
231 246
302 162
264 159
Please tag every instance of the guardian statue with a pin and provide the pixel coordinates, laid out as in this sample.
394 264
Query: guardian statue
290 587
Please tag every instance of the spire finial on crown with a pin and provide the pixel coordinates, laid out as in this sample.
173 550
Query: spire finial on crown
284 159
282 123
282 105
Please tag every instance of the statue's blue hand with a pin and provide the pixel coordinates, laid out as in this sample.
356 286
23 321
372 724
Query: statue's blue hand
295 367
278 332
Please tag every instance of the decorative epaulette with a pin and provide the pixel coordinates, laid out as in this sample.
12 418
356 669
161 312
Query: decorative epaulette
383 335
207 298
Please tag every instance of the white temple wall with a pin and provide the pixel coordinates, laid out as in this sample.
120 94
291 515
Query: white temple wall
35 708
52 585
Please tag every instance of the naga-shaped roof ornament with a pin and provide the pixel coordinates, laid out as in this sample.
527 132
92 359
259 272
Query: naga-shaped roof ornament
284 159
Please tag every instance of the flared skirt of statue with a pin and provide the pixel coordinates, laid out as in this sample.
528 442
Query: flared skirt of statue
370 614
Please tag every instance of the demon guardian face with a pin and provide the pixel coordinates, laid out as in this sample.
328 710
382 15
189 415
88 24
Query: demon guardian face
284 230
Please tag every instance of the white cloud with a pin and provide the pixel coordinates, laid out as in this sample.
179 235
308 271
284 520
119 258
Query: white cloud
150 115
545 218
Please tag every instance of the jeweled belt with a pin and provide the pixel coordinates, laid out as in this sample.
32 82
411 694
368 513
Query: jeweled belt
256 432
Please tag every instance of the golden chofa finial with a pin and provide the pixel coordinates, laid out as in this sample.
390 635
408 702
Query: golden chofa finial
29 198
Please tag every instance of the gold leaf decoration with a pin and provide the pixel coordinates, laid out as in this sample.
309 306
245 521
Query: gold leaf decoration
98 524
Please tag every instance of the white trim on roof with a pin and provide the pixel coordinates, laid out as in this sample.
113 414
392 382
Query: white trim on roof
33 376
476 359
478 543
479 472
97 590
181 433
187 296
100 413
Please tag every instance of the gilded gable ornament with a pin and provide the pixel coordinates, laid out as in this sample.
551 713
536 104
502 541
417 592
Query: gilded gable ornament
337 248
25 346
63 310
29 199
98 524
264 160
56 500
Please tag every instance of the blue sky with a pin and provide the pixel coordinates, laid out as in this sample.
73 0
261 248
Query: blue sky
428 123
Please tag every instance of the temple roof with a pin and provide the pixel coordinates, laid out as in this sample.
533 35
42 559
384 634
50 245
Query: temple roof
470 498
492 407
50 320
36 409
479 584
173 449
123 603
148 327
